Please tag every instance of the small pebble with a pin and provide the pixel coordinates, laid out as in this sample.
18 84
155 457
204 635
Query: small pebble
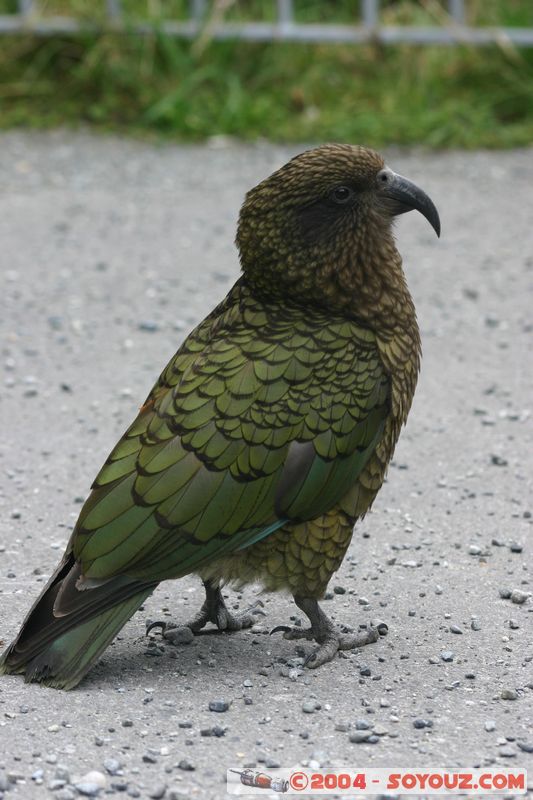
507 752
514 547
65 794
518 596
216 730
91 784
455 629
56 323
158 792
148 325
504 593
475 625
490 725
509 694
498 461
381 627
178 794
186 765
447 655
218 705
422 723
527 747
181 635
119 786
474 550
380 730
357 737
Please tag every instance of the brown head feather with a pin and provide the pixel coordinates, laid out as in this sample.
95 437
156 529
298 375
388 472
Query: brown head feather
316 232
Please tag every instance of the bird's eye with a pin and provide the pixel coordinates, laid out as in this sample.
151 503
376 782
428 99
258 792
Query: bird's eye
342 195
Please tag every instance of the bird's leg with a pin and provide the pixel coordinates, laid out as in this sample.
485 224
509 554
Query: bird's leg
329 638
213 610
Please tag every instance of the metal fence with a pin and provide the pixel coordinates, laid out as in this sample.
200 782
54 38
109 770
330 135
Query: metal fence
205 17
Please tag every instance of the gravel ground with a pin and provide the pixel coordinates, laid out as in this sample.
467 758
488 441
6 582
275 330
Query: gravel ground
110 251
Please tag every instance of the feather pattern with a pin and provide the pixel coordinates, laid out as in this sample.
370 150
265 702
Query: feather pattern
244 390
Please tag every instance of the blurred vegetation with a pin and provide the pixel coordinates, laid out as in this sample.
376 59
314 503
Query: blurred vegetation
437 96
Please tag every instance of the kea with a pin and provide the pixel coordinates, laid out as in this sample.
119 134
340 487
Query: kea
267 435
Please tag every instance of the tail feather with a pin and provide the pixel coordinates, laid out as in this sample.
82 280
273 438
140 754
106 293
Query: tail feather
57 647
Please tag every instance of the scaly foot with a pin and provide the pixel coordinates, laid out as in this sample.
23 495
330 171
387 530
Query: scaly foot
329 638
213 610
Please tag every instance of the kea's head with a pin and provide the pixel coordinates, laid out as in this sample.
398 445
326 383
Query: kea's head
326 213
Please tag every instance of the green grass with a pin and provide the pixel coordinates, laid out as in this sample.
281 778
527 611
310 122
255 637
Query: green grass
439 97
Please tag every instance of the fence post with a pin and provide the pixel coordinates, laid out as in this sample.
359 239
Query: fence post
114 10
26 7
370 13
285 13
197 10
457 11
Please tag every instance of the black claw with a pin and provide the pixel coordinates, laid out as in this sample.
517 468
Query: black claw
310 658
157 624
280 629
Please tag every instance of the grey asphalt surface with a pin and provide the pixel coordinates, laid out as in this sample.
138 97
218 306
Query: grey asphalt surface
110 251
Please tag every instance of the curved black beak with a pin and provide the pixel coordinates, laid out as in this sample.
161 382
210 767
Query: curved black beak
401 195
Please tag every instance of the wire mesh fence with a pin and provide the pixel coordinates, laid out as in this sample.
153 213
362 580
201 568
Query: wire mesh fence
204 17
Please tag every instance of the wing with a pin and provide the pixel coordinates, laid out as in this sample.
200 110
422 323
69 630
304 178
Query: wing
266 413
